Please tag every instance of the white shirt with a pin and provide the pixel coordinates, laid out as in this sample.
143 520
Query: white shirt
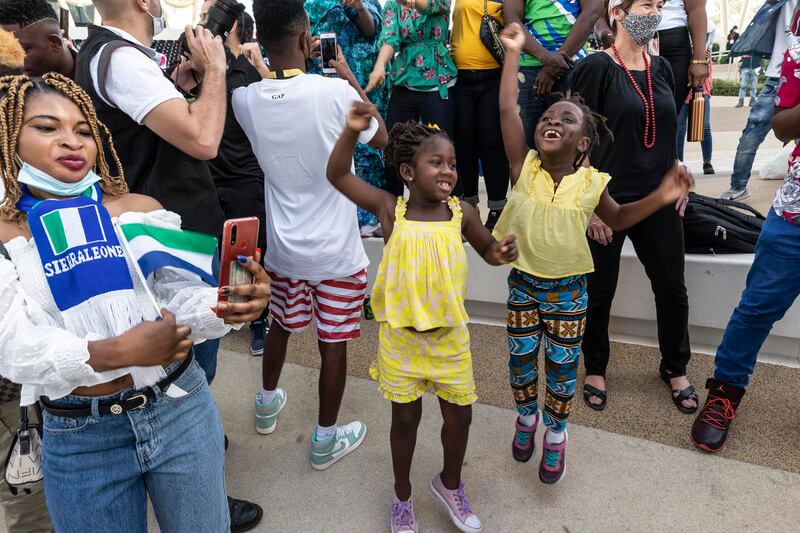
783 38
673 15
48 360
293 124
135 83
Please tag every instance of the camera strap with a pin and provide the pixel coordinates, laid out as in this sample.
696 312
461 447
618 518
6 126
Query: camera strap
284 74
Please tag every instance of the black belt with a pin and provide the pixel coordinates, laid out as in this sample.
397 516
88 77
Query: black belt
136 401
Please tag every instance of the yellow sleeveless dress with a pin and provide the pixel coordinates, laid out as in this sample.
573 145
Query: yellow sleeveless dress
418 299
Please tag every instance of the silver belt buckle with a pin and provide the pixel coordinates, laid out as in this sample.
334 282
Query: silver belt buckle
116 409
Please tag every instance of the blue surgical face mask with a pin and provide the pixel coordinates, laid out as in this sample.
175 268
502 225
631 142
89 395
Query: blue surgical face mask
33 177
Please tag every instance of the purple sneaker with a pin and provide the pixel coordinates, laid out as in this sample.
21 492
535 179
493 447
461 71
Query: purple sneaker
457 505
523 446
402 517
554 461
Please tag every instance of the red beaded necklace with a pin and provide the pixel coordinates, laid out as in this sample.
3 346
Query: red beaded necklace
649 106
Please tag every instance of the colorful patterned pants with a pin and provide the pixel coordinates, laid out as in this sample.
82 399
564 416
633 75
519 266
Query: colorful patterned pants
553 312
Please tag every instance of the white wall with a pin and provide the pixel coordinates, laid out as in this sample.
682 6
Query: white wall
714 285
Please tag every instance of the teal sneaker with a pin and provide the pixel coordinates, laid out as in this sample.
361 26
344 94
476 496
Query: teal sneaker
267 413
343 441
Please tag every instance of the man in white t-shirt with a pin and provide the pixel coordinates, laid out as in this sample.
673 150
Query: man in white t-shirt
759 122
314 252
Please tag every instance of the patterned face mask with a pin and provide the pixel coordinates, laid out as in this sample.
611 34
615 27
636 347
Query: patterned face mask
641 28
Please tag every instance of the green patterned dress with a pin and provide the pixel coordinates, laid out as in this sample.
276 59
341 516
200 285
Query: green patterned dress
331 16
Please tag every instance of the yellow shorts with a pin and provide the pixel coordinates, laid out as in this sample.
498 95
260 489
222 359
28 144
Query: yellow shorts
409 363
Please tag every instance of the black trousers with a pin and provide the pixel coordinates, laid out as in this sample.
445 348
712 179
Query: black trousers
675 46
244 198
425 107
658 241
478 136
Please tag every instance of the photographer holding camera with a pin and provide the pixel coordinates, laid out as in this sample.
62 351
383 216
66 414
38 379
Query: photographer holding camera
163 141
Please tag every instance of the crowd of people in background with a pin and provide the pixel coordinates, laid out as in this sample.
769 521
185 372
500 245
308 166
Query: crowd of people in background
108 145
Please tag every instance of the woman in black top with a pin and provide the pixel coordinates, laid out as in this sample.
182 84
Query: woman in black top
635 92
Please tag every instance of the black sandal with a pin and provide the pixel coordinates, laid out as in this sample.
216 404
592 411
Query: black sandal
589 391
679 396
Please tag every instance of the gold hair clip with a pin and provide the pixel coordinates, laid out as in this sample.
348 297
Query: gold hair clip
433 127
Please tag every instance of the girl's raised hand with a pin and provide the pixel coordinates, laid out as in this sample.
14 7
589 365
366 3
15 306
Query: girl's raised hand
513 38
506 250
360 115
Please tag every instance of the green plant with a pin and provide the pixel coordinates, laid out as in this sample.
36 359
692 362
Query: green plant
731 87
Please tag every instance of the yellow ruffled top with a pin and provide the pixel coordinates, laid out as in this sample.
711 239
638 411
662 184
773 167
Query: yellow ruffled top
550 222
422 278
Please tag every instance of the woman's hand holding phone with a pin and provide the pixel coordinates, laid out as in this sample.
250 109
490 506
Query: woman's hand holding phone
258 291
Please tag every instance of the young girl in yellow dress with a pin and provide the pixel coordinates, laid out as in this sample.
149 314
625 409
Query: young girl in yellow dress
552 198
418 298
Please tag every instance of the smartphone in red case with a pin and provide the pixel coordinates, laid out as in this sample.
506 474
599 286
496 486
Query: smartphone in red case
239 237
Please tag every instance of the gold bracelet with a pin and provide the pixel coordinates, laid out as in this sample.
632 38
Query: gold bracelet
699 62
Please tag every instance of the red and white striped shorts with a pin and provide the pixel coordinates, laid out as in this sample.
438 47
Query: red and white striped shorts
336 305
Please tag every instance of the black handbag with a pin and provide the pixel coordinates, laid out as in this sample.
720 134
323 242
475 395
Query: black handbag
490 35
717 226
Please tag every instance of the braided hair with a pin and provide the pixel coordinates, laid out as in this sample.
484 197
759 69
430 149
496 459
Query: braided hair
14 91
25 12
405 140
593 124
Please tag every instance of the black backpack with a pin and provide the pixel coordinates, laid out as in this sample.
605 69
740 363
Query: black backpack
711 226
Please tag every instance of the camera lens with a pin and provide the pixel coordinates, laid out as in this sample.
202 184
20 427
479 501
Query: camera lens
221 16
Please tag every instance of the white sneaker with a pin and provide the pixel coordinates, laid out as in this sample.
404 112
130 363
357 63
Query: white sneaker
736 194
343 441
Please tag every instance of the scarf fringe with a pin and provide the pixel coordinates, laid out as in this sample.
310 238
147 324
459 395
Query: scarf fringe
109 315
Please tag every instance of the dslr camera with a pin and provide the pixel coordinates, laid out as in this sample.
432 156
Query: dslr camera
220 19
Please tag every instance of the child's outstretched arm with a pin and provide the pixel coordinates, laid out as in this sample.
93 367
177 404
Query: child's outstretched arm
493 252
675 185
340 163
517 150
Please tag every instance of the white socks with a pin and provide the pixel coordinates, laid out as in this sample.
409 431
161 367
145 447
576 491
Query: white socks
323 433
555 438
268 395
527 420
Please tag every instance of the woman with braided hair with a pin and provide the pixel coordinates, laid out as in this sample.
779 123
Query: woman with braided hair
106 350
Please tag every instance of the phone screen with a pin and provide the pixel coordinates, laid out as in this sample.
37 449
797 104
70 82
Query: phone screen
238 276
328 46
64 21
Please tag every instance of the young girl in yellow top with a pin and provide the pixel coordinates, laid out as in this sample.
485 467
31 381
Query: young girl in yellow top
418 298
552 198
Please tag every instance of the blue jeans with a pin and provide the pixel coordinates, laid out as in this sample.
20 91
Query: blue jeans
99 470
531 107
749 80
772 286
205 354
683 123
758 125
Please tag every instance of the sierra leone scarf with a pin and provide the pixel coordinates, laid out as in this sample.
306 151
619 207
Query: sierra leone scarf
86 269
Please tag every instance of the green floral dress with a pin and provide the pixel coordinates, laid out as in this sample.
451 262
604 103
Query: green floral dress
331 16
423 62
